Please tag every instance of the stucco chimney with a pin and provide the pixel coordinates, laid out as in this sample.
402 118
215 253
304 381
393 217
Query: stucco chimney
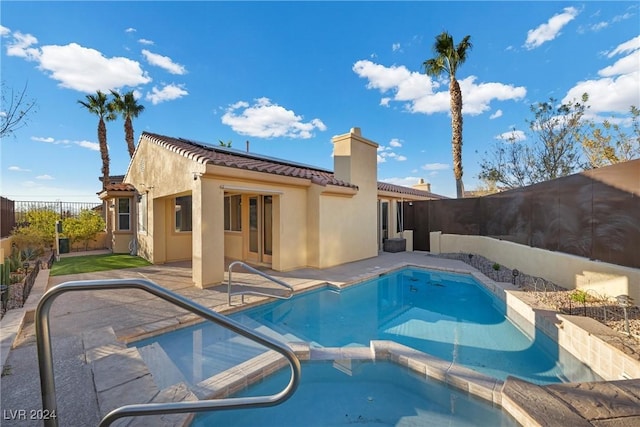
355 162
421 185
355 158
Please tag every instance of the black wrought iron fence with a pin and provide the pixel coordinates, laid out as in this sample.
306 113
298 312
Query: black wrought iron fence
64 209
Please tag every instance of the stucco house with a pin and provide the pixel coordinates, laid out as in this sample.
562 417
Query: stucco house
184 200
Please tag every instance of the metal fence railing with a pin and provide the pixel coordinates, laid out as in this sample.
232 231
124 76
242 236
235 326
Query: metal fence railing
14 213
64 209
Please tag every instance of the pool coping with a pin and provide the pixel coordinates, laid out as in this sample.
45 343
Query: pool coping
256 369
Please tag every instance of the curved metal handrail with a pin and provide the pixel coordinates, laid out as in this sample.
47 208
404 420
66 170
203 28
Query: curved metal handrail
259 273
45 358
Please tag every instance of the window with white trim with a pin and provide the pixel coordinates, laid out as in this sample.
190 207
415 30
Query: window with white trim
124 213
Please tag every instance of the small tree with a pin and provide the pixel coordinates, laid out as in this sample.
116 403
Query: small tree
554 150
39 230
15 110
84 227
607 143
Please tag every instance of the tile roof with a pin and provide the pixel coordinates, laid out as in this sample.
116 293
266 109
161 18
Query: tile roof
385 186
222 156
119 187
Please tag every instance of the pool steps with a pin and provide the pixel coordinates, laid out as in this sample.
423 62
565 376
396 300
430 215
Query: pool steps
226 351
121 377
165 372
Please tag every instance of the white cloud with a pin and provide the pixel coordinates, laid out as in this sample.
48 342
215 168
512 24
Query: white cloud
94 146
18 169
625 65
416 90
146 42
395 47
619 86
551 29
44 177
599 26
386 152
622 17
512 136
435 166
87 70
77 67
476 97
495 115
626 47
604 24
407 85
88 144
164 62
265 119
130 30
20 46
167 93
4 31
43 139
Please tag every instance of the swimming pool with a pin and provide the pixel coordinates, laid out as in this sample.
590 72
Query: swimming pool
447 315
375 393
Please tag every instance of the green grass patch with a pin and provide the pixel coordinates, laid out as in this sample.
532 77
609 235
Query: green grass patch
91 263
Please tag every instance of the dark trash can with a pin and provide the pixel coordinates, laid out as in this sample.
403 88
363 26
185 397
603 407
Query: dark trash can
63 245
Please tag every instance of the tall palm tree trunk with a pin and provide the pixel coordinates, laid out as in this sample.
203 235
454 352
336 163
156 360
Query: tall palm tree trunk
128 135
104 152
456 135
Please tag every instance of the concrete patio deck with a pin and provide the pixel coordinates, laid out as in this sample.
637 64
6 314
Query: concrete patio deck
81 320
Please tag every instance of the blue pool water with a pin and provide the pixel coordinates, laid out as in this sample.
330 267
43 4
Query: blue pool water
447 315
380 394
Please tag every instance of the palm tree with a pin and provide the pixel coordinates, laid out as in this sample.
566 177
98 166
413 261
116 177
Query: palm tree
128 106
99 105
447 60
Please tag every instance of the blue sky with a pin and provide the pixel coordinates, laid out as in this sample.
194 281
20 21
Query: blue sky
288 76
